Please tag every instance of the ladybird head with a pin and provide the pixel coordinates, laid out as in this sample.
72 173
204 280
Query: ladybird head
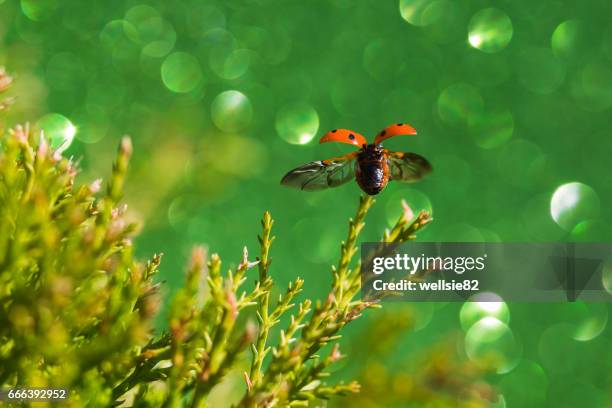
344 136
399 129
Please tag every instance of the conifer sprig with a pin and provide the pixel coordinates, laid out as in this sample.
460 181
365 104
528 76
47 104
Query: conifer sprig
77 308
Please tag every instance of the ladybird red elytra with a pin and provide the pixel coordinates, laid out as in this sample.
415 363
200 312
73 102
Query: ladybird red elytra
344 136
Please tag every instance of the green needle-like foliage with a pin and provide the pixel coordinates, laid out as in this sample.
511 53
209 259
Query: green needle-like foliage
77 310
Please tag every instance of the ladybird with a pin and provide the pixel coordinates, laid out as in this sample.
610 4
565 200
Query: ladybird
372 166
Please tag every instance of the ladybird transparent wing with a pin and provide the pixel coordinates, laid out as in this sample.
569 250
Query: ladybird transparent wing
321 174
408 167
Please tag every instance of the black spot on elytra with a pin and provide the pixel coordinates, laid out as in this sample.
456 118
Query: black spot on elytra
334 131
352 136
400 124
382 133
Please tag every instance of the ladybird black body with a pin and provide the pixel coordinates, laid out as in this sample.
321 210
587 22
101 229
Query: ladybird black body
371 169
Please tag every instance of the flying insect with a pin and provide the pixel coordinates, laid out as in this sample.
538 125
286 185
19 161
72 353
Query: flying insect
372 166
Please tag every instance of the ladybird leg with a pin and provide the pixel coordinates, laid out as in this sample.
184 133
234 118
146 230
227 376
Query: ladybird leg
397 155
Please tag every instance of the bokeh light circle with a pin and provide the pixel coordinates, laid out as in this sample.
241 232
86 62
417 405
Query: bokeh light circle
272 42
112 33
541 228
162 44
525 386
230 64
591 322
231 111
492 129
181 72
461 232
589 231
485 304
572 203
490 30
592 86
58 129
203 17
557 349
491 344
458 103
91 132
145 24
38 10
183 210
568 39
297 123
444 21
319 250
520 160
414 11
539 70
217 37
423 315
606 275
104 95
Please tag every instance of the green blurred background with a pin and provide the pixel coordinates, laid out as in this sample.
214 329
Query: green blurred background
512 101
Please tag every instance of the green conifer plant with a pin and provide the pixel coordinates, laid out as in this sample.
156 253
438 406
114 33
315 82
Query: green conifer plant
77 308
